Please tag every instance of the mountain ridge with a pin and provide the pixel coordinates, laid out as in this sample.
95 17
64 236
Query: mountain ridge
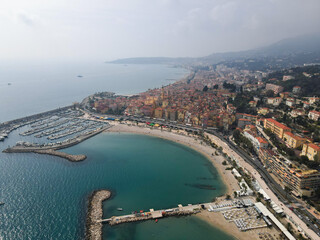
296 45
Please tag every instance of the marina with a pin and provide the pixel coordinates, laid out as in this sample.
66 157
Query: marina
42 131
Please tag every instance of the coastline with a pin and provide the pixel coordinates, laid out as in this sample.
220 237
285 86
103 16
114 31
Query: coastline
179 137
214 219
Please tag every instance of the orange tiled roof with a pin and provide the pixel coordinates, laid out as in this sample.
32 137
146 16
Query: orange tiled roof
315 112
315 147
293 136
261 140
280 125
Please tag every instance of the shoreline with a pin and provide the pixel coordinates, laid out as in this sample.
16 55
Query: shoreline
214 219
205 150
95 213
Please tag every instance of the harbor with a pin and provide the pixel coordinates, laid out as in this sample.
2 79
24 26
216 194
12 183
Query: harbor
48 132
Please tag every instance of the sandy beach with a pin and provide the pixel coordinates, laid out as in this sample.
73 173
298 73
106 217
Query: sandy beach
196 144
214 219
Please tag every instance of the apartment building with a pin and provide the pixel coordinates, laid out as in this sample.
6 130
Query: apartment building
277 128
292 140
275 88
302 182
314 115
311 150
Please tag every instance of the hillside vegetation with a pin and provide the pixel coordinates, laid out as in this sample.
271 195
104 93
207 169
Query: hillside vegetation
310 85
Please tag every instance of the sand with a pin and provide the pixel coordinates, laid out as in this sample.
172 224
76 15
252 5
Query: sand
180 137
215 219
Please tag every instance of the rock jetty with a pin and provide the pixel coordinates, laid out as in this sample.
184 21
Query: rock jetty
94 215
70 157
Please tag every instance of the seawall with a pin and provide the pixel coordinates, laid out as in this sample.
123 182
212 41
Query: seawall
31 117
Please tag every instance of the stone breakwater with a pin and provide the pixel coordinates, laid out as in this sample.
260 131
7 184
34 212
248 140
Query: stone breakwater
94 215
51 150
70 157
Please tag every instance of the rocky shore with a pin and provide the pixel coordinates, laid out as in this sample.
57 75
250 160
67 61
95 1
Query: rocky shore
94 214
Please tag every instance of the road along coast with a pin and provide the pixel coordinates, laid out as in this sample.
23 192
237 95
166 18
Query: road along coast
215 219
95 213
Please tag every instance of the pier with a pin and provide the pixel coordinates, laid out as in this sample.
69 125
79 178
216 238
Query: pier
156 214
152 214
227 207
7 127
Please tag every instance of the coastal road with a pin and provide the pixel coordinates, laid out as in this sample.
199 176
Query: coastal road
268 184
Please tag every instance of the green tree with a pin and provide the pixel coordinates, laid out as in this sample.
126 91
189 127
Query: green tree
269 93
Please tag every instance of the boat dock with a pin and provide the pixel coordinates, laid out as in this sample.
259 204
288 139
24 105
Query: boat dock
153 214
178 211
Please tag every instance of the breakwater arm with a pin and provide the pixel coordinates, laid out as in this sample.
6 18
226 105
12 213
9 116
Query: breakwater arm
50 149
70 157
95 213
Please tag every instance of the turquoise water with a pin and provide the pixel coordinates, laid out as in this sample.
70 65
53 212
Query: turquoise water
46 197
39 87
182 228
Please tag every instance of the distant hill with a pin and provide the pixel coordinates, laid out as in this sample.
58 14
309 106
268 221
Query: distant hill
310 84
306 45
152 60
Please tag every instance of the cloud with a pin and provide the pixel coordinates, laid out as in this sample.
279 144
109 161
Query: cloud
26 18
126 28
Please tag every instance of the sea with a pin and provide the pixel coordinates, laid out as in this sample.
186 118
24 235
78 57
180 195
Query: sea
46 197
31 88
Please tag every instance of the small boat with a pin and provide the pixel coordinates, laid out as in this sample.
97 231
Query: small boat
1 203
79 76
119 209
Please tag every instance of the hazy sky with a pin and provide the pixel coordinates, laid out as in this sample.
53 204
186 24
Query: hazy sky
111 29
